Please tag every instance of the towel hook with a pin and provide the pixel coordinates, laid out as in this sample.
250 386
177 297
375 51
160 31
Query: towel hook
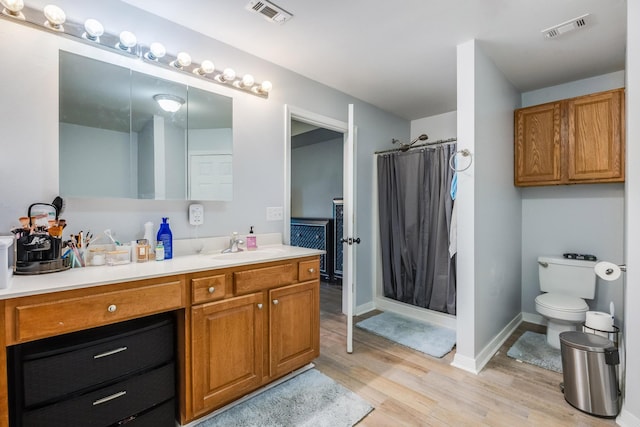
465 153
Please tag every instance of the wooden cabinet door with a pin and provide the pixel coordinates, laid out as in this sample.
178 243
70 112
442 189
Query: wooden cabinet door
294 322
537 150
227 350
595 137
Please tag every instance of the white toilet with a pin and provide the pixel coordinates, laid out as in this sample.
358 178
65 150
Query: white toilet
565 282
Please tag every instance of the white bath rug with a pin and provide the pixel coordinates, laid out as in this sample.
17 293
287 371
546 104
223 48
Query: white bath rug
421 336
532 348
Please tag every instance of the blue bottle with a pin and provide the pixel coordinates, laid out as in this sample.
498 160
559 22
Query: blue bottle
165 236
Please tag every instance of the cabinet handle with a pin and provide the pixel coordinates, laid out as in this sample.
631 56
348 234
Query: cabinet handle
312 270
109 353
212 289
275 302
109 398
112 308
259 306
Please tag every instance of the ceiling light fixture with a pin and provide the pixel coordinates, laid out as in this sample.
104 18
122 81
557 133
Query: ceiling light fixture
169 103
55 17
125 43
156 51
13 8
93 29
206 67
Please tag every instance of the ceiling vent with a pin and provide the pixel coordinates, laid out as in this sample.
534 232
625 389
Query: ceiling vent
565 27
269 11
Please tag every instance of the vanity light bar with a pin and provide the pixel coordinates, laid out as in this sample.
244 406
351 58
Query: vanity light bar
126 44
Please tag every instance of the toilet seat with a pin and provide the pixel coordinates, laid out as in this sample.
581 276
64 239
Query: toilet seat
563 307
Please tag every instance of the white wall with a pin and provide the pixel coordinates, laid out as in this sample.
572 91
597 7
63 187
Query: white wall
584 218
441 126
258 132
489 209
316 178
630 414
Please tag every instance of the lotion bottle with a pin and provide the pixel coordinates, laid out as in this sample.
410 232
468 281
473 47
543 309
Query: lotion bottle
166 237
252 243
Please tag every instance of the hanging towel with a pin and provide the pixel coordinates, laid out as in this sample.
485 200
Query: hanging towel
454 180
453 231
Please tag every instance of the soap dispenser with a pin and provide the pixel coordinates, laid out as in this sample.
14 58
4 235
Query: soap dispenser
165 236
252 243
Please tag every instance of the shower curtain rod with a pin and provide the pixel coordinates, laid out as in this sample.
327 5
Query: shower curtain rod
438 142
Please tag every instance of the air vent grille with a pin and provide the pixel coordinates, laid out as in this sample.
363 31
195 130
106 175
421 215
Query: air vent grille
565 27
269 11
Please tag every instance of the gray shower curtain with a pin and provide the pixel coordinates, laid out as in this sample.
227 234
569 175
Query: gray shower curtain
415 205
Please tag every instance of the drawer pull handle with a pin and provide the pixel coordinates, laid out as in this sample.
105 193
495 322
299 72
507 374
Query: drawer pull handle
109 398
109 353
312 270
211 289
259 306
275 302
112 308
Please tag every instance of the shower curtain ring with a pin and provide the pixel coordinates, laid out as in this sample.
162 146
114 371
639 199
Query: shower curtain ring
465 153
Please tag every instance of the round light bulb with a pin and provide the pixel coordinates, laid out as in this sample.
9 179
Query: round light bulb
93 29
266 86
127 40
156 51
55 17
207 67
228 74
13 6
183 60
248 80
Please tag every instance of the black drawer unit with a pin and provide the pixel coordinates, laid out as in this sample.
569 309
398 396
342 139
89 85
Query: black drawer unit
315 233
112 375
338 226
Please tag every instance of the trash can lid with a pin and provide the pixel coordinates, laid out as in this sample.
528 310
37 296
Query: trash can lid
585 341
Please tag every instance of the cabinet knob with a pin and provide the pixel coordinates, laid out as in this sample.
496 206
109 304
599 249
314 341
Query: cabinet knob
259 306
312 270
211 289
112 308
275 302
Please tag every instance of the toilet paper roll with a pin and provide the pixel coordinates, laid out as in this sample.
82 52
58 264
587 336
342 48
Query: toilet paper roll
607 271
599 320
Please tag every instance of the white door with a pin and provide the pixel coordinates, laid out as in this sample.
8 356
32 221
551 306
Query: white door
348 266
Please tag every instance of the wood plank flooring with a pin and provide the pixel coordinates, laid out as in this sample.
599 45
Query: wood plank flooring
408 388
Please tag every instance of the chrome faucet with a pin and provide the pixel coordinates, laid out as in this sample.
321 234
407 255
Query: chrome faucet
234 241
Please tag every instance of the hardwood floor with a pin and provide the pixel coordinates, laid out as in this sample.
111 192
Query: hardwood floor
408 388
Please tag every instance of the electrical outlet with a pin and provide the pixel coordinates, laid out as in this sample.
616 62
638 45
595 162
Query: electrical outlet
275 214
196 214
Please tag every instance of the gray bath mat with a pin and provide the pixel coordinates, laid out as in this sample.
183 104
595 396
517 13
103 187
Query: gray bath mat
425 337
532 348
310 399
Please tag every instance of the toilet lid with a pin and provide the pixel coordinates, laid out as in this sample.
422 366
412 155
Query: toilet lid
562 302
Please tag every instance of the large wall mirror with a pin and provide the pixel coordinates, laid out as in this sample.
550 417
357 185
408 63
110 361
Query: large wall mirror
116 141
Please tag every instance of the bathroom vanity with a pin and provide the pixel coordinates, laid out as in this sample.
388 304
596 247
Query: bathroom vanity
241 321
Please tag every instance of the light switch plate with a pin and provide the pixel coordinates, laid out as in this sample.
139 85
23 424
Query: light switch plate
275 213
196 214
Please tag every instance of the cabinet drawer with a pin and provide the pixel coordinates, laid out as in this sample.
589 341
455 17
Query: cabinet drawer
72 314
56 367
108 405
308 270
257 279
210 288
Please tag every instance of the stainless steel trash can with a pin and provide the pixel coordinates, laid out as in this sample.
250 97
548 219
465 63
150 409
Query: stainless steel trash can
589 373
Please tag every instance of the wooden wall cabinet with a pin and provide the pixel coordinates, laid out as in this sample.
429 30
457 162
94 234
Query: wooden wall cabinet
573 141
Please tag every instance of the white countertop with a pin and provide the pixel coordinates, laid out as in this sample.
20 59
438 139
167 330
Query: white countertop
76 278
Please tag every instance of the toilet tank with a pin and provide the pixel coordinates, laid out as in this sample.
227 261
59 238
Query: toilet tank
567 276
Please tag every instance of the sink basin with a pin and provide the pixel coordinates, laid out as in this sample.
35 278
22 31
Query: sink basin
245 255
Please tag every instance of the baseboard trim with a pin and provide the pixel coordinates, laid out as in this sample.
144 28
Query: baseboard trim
475 365
627 419
418 313
364 308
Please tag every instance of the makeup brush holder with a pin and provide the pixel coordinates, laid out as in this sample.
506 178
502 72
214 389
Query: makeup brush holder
38 254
